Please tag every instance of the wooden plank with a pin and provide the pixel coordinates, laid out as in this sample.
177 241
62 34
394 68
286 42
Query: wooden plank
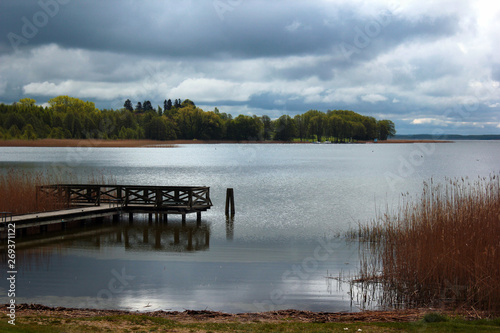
121 198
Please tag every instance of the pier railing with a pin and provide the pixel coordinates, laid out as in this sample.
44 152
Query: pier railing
189 198
5 217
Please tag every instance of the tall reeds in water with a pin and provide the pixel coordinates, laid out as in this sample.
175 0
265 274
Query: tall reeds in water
441 250
18 190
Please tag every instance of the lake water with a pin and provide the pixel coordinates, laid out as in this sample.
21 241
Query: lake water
291 202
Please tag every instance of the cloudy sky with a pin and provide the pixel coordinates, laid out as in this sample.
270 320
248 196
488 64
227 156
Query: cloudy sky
426 65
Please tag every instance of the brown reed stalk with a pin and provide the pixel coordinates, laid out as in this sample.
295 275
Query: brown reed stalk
18 190
442 250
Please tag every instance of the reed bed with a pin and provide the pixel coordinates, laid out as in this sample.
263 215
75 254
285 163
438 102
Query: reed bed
442 250
18 190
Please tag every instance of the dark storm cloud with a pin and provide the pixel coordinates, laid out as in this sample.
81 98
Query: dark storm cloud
196 29
409 62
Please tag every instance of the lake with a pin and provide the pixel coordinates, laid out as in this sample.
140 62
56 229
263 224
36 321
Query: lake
278 252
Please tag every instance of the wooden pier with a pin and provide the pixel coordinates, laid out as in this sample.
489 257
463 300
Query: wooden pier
94 201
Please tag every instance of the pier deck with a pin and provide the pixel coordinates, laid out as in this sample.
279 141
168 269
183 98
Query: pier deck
94 201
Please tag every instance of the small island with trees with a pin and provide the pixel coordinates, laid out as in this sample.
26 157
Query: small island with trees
67 117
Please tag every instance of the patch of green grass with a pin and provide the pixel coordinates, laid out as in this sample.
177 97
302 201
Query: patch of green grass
144 323
434 318
138 319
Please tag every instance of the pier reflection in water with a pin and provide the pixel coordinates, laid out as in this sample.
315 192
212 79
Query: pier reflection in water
139 235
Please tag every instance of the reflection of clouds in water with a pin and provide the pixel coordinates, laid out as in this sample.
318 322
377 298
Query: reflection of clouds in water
287 197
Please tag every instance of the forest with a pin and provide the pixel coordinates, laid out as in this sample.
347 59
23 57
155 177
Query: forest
72 118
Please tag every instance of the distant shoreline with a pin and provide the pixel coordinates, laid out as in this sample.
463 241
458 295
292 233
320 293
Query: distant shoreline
98 143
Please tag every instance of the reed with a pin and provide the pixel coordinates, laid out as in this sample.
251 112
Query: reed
443 249
18 192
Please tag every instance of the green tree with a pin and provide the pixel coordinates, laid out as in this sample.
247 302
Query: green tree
189 120
386 128
56 133
186 103
128 105
300 126
168 107
267 126
65 104
138 107
29 133
285 129
14 132
27 102
336 127
246 128
211 127
315 127
147 106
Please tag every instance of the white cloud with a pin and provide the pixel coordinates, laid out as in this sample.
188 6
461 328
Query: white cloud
294 26
423 121
83 89
211 90
373 98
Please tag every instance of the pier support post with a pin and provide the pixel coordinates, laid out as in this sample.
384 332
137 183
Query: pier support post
131 217
116 218
190 240
198 218
158 238
150 218
230 202
229 228
126 238
176 236
183 218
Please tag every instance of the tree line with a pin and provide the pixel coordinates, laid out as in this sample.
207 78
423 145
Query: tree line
71 118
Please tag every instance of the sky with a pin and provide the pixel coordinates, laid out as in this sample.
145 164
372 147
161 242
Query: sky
429 66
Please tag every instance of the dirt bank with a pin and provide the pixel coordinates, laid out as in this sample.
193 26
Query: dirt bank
189 316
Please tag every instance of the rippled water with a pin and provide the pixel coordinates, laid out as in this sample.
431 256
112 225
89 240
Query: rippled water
291 200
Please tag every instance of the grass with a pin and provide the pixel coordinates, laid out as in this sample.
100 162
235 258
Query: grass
18 193
443 250
145 323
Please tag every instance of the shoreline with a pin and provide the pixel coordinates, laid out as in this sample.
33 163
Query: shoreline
39 318
303 316
100 143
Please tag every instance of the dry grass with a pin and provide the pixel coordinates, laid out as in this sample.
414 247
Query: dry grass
18 190
443 250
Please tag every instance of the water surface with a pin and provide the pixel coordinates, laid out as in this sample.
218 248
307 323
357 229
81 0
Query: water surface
291 200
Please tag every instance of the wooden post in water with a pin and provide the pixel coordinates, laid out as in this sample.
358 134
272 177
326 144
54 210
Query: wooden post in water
230 201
